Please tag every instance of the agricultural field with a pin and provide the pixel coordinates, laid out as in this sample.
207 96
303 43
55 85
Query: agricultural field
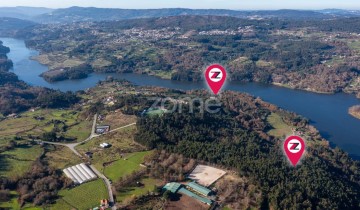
60 157
85 196
122 142
40 121
15 162
118 119
125 166
280 128
127 193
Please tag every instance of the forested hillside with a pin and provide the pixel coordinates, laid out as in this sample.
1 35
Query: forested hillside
10 25
235 138
314 55
17 96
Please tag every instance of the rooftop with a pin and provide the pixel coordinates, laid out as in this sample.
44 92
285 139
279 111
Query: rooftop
193 195
172 187
199 188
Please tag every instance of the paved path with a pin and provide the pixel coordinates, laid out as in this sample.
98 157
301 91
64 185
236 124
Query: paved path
72 146
108 186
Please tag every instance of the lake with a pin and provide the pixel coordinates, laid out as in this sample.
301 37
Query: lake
328 113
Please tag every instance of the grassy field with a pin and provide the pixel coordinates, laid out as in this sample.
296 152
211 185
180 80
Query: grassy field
60 157
14 205
122 142
58 60
127 193
16 162
27 124
85 196
354 45
280 128
116 120
122 138
125 166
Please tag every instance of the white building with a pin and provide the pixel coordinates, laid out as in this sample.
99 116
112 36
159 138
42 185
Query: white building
80 173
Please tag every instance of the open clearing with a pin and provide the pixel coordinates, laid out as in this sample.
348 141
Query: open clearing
127 193
85 196
118 119
122 142
16 162
40 121
280 128
14 205
125 166
60 157
206 175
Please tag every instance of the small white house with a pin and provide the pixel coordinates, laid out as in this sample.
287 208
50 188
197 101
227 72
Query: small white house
105 145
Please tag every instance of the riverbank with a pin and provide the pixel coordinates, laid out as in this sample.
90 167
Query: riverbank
305 89
56 62
305 103
355 111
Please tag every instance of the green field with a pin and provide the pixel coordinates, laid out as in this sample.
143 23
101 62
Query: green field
125 166
128 192
18 161
14 205
27 124
85 196
122 142
60 157
354 45
280 128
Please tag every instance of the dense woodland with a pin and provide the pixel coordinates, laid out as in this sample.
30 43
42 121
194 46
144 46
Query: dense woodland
233 138
293 53
17 96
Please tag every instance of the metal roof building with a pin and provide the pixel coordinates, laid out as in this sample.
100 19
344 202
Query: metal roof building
198 188
172 187
193 195
79 173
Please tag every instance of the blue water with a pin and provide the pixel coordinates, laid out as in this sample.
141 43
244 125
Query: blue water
328 113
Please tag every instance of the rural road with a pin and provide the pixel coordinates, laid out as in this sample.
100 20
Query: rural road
72 146
108 186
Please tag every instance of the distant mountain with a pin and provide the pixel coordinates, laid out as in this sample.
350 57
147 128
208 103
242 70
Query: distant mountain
341 12
26 13
75 14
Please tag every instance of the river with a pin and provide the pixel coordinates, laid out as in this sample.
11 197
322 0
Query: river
328 113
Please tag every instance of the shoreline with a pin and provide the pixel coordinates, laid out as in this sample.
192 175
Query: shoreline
355 111
153 74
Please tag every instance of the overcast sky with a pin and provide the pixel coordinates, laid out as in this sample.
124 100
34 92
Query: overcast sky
203 4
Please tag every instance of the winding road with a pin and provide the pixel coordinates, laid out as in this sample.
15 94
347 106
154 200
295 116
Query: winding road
72 146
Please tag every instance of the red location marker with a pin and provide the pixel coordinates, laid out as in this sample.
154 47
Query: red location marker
294 147
215 76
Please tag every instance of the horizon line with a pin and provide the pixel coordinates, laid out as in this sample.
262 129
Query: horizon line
299 9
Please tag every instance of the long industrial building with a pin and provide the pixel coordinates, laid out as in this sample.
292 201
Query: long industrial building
80 173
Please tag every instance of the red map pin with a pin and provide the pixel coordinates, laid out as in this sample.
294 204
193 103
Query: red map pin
215 76
294 147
